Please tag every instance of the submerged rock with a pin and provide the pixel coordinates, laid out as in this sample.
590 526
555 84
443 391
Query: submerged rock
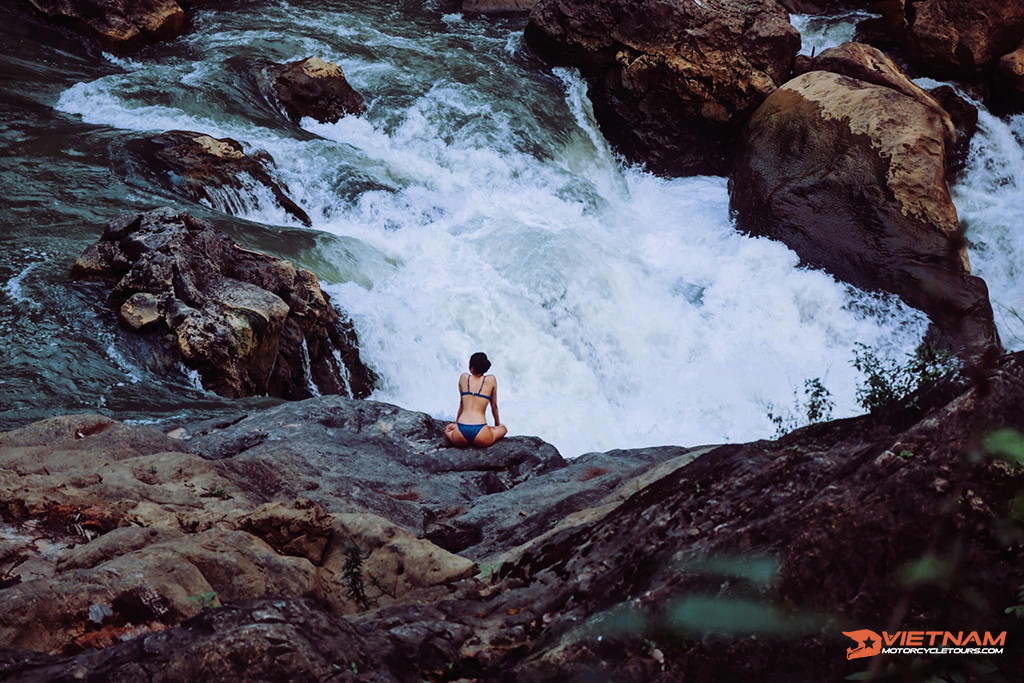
250 323
122 25
199 166
315 88
852 175
671 82
498 6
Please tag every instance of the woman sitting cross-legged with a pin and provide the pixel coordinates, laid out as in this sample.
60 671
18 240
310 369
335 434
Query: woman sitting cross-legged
476 392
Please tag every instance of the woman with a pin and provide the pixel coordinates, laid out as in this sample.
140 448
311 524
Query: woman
476 392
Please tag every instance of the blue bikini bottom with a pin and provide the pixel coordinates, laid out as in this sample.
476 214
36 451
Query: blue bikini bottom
469 432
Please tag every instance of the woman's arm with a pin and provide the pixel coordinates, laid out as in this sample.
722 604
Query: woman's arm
459 387
494 403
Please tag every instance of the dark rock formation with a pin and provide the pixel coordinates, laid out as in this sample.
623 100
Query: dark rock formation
248 322
852 176
498 6
1007 83
315 88
732 567
808 6
962 38
671 82
965 120
354 456
203 167
121 25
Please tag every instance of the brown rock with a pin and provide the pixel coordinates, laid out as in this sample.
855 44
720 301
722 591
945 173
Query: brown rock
965 119
139 310
671 82
963 38
201 167
122 25
248 322
852 176
1007 83
871 65
315 88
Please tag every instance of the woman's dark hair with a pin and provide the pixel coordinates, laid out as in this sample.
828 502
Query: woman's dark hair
478 362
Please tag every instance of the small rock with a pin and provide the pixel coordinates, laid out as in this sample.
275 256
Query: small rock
315 88
140 310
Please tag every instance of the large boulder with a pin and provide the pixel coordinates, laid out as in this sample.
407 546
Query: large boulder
249 323
962 38
315 88
122 25
671 82
216 170
852 176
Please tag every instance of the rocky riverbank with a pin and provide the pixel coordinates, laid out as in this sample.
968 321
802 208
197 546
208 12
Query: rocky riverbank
220 549
330 538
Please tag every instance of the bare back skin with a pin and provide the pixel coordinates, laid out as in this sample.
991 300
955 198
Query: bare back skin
473 411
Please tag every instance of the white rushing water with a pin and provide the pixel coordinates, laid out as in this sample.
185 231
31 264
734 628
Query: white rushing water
619 309
990 201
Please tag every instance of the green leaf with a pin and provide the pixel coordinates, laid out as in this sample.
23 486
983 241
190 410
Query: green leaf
706 614
761 570
928 570
1007 444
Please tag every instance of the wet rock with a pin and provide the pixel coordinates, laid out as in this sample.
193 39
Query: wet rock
962 38
871 65
965 119
1007 83
217 171
121 25
498 6
671 82
852 176
315 88
250 323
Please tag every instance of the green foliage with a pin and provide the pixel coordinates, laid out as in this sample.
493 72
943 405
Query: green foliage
352 576
488 571
819 401
724 615
759 570
217 491
1007 444
887 381
816 406
204 600
928 570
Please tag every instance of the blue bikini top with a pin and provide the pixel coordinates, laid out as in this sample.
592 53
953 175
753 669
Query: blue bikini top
475 393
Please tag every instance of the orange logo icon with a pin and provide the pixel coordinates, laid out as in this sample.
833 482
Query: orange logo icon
868 642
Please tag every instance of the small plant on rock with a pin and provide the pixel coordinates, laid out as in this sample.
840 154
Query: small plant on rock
887 381
352 576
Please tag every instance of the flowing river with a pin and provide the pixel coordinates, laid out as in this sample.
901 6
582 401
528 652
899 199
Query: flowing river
475 206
